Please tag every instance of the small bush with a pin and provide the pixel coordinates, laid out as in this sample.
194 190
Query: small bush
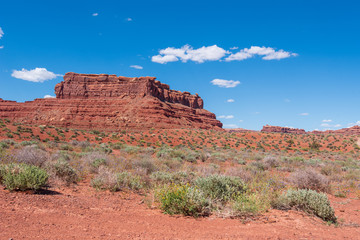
220 187
62 170
310 179
107 180
23 177
32 155
127 180
309 201
182 199
271 162
248 204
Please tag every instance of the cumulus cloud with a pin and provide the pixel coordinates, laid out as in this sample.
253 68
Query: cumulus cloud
49 96
34 75
225 83
136 66
326 120
304 114
188 53
267 53
215 53
128 19
95 14
226 116
230 100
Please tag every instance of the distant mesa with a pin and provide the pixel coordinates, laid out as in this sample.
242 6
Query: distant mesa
277 129
111 103
355 130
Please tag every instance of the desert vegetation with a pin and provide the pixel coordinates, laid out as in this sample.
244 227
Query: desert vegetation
191 179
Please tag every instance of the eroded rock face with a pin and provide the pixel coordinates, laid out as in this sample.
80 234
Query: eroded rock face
77 86
355 130
111 103
277 129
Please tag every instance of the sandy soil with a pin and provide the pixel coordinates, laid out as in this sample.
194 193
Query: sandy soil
83 213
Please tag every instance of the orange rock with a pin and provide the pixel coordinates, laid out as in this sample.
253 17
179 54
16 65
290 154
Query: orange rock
110 103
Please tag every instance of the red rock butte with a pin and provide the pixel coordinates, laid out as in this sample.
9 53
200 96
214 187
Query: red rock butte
111 103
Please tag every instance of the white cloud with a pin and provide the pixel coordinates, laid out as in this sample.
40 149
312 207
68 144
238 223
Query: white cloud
128 19
136 66
327 120
241 121
267 53
49 96
186 53
1 35
34 75
231 126
325 125
354 124
337 125
226 116
95 14
287 100
215 53
225 83
304 114
230 100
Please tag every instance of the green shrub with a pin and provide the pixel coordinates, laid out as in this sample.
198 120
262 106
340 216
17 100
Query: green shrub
220 187
97 163
23 177
106 180
309 201
182 199
127 180
62 169
248 204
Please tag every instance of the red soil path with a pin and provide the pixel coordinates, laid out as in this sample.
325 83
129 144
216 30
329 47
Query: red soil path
83 213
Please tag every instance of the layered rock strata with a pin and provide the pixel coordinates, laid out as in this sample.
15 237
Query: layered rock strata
110 103
277 129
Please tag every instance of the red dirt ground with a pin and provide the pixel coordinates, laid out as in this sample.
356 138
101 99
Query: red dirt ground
83 213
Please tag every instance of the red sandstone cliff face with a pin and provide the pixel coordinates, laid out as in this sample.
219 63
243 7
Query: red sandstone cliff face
111 103
277 129
355 130
110 86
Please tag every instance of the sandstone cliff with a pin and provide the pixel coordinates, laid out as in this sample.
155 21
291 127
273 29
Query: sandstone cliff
277 129
111 103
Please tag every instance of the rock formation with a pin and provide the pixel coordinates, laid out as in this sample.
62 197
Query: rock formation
277 129
111 103
355 130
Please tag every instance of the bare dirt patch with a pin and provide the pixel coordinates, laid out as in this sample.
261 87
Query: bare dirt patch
83 213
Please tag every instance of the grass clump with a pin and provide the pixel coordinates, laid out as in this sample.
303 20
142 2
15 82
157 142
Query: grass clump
308 201
62 170
107 180
23 177
183 199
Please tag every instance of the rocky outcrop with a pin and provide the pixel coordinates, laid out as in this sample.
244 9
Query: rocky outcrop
80 86
111 103
355 130
277 129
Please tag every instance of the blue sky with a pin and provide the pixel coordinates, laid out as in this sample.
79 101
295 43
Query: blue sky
305 72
